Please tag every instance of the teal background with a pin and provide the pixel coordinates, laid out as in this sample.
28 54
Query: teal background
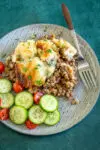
86 19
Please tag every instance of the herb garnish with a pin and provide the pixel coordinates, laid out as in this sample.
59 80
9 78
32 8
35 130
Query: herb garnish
33 36
37 66
49 50
47 73
41 52
25 69
28 43
38 82
29 77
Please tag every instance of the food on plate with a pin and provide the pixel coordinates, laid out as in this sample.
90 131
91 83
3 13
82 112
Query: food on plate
17 87
52 118
37 115
23 107
75 101
24 99
5 86
37 96
6 100
30 125
49 103
4 114
32 68
18 114
47 65
24 51
37 72
2 67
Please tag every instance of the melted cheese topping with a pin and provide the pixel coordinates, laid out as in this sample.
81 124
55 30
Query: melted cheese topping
37 59
24 51
47 55
34 70
69 51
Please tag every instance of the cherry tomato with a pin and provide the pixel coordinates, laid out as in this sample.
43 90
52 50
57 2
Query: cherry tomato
37 97
2 67
4 114
30 125
0 77
17 87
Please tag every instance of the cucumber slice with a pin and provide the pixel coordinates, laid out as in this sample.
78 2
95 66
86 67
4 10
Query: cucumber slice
7 100
49 103
18 114
5 86
52 118
24 99
37 115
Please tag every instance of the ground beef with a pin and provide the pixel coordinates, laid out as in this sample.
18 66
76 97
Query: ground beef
61 83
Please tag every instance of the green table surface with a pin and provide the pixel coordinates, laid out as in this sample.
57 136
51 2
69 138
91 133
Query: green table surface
86 19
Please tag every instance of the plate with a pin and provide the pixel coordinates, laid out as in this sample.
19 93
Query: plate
70 114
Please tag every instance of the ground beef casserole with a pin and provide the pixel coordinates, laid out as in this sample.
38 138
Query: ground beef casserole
61 83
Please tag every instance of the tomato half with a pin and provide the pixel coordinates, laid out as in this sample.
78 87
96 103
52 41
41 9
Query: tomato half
4 114
30 125
2 67
17 87
37 97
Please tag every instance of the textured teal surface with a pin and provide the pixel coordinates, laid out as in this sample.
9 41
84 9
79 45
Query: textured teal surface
86 19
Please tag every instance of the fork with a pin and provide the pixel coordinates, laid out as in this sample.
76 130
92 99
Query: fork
84 69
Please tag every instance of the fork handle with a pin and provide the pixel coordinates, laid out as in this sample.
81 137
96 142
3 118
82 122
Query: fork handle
68 20
67 17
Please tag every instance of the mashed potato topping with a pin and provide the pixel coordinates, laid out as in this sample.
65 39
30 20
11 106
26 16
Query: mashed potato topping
37 60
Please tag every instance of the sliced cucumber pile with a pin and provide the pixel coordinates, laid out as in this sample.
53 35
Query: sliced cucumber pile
18 114
52 118
46 112
6 100
37 115
49 103
5 86
24 99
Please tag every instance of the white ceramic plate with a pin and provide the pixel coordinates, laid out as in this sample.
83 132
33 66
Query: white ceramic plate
70 114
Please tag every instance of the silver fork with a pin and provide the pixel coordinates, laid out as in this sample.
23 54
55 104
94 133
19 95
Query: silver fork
84 69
